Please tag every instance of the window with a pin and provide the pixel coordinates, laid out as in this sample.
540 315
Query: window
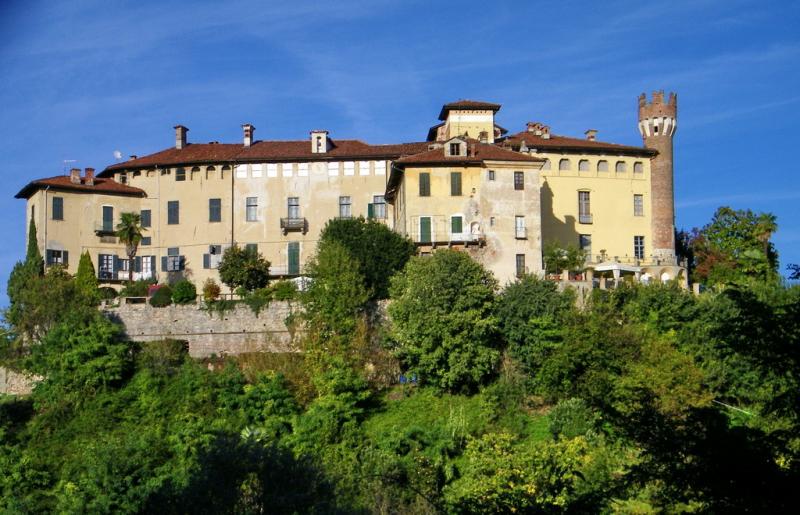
145 266
564 164
620 167
425 234
344 207
293 254
638 205
173 261
214 210
56 257
293 206
108 219
584 208
490 175
638 247
105 268
58 208
547 165
144 216
123 178
147 240
520 265
180 174
251 208
491 221
585 244
455 149
378 207
173 212
214 256
638 167
456 226
425 184
602 166
455 184
583 165
251 248
519 181
520 232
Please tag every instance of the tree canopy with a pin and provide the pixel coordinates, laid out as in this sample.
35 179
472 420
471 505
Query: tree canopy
244 268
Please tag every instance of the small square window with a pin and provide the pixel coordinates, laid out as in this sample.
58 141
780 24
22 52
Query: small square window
455 149
180 174
147 240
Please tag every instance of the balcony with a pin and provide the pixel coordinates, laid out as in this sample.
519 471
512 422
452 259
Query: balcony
104 229
585 219
294 225
521 233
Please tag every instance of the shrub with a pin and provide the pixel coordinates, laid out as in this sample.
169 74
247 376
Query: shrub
211 290
257 299
183 292
107 293
244 268
162 297
571 418
284 290
137 288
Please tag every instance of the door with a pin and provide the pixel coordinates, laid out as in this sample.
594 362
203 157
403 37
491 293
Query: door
425 229
294 258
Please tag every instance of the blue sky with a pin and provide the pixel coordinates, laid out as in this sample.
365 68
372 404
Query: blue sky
81 79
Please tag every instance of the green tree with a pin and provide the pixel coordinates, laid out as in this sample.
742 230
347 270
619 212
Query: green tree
86 278
443 321
244 268
557 258
33 257
129 231
735 246
379 251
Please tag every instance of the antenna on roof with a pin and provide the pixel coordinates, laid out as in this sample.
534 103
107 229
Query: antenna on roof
65 164
117 155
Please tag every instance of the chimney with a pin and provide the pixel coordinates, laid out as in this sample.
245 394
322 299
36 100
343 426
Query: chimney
319 142
591 134
89 175
483 137
75 176
133 157
545 132
248 134
180 136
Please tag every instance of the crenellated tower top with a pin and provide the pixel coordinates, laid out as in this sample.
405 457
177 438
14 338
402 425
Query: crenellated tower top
657 118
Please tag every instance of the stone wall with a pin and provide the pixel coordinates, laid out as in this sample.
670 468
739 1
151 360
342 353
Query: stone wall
14 383
233 332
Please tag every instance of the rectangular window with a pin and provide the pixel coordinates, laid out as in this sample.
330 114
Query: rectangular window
58 208
520 232
344 207
584 208
105 266
147 240
214 210
520 265
455 149
173 212
251 248
293 253
638 205
424 184
455 184
56 257
456 225
146 219
180 174
251 206
108 219
585 244
638 247
519 181
490 175
378 207
174 260
293 205
214 256
425 229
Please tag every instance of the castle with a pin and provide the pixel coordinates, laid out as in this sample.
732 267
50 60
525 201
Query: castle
471 184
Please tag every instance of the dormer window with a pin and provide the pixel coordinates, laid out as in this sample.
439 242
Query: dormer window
455 149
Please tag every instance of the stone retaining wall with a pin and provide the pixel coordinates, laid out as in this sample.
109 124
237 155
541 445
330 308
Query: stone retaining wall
14 383
236 331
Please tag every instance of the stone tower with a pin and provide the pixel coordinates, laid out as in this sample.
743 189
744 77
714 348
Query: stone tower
657 123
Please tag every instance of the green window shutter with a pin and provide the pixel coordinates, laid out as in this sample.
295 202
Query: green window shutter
163 263
145 217
425 184
456 225
65 257
251 247
58 208
425 229
370 210
455 184
173 212
294 258
206 261
137 264
48 257
108 218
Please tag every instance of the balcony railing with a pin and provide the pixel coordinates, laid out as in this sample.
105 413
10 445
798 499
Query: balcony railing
104 229
585 219
294 224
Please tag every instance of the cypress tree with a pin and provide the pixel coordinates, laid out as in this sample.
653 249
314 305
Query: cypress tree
33 258
85 277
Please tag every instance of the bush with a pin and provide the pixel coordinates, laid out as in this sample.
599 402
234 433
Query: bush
211 290
107 293
571 418
183 292
284 290
162 297
244 268
137 288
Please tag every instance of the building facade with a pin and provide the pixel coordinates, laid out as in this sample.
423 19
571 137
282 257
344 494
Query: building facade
471 185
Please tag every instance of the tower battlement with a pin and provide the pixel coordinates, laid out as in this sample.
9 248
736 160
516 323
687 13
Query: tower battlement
657 118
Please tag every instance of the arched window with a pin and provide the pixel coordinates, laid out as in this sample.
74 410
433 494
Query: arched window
547 165
602 165
226 170
638 167
583 165
195 173
210 172
621 167
564 164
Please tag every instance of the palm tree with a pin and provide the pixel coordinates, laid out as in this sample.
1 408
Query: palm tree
129 232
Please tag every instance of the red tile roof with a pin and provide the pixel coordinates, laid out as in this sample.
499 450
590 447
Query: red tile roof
63 182
467 104
197 153
570 144
477 153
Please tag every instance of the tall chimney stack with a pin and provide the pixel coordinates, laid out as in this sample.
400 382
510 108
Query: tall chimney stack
180 136
75 176
89 176
591 134
248 134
